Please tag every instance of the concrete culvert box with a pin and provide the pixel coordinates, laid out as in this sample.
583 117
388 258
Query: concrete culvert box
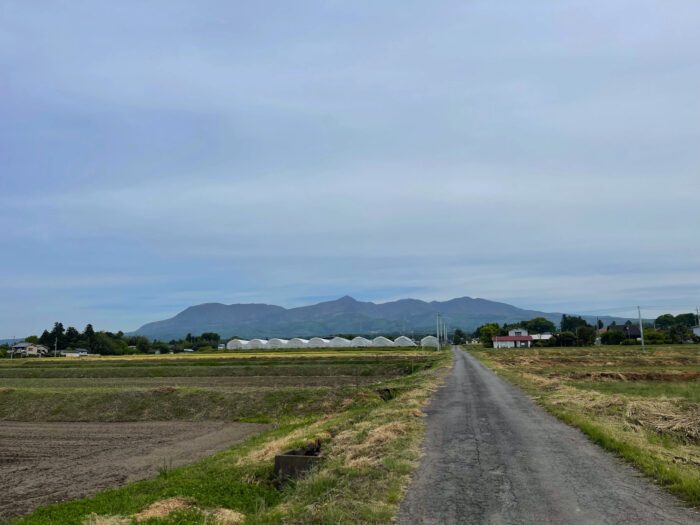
295 463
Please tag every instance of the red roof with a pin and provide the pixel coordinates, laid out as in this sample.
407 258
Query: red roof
512 338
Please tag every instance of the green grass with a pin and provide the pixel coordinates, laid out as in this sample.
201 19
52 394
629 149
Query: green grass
687 390
370 446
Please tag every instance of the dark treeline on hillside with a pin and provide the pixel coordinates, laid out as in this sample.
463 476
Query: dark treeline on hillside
576 331
109 343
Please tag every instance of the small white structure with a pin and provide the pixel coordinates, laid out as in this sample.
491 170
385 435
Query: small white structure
278 343
360 342
237 344
339 342
403 341
541 337
429 340
382 341
517 332
78 352
255 344
696 331
298 342
318 342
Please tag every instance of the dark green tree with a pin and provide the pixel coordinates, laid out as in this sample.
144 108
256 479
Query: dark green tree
612 337
72 337
460 337
570 323
58 335
585 335
664 322
688 320
89 336
32 339
539 325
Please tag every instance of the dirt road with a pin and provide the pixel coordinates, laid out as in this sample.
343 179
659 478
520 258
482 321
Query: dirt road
43 463
492 456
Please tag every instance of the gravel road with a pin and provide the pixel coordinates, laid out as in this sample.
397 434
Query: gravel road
492 456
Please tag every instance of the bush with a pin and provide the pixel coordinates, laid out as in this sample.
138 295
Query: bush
612 337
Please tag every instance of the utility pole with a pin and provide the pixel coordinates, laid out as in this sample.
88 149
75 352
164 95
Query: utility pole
641 327
437 328
55 346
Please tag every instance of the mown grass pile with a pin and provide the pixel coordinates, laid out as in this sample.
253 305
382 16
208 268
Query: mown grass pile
369 445
644 406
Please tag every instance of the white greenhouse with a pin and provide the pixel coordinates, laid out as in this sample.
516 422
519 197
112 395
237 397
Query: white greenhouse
318 342
403 341
298 342
360 341
236 344
277 343
429 340
257 343
382 341
339 342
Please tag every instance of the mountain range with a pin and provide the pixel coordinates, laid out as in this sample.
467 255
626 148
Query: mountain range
341 316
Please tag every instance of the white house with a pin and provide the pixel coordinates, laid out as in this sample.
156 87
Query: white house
516 338
78 352
403 341
429 340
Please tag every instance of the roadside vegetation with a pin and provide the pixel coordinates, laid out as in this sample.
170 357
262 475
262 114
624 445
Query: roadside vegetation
643 406
368 426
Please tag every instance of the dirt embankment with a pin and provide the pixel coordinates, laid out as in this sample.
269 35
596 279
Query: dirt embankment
44 463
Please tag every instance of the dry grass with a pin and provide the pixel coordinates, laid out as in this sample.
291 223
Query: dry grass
160 509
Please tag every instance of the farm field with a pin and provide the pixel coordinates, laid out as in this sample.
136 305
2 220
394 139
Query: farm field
72 428
51 462
644 406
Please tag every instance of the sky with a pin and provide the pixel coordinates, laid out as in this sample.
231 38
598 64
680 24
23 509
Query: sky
156 155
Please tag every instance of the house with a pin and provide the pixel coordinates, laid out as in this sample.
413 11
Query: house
29 349
77 352
630 330
516 338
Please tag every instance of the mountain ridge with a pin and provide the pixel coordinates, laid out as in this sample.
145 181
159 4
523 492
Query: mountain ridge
343 315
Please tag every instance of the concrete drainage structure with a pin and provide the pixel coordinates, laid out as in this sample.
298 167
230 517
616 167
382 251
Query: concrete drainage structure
293 464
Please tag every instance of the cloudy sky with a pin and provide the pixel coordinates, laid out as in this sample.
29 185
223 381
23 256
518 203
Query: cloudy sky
155 155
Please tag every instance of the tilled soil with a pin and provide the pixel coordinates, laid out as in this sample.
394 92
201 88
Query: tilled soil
44 463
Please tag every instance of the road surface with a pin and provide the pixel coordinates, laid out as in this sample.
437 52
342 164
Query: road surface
492 456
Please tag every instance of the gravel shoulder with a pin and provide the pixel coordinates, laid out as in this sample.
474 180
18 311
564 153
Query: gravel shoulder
44 463
493 456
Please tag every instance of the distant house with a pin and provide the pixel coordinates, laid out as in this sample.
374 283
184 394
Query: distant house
516 338
630 330
77 352
29 349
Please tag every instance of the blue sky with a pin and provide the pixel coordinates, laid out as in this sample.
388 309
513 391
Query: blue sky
155 155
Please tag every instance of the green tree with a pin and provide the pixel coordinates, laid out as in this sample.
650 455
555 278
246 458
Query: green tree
664 322
612 337
57 335
679 333
89 336
570 323
540 325
566 338
487 332
688 320
32 339
72 338
210 336
460 337
585 335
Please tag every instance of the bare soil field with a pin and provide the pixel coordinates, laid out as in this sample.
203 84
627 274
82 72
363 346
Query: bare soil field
44 463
